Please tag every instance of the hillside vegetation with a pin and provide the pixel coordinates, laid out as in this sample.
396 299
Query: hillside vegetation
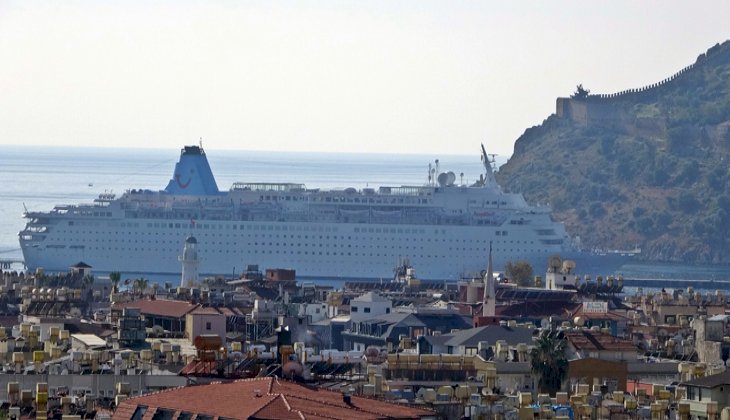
646 167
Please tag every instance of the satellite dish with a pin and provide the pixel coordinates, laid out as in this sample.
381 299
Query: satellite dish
554 263
443 179
568 266
451 177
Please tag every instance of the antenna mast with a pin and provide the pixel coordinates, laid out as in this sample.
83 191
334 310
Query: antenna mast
489 179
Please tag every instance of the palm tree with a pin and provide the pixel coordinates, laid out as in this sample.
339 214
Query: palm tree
548 361
88 281
141 284
115 277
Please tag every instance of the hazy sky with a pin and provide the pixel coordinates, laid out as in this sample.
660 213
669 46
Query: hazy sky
374 76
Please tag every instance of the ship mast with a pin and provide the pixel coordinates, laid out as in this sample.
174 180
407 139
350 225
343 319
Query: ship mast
489 171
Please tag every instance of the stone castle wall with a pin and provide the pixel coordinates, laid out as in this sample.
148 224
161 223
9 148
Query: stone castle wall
602 107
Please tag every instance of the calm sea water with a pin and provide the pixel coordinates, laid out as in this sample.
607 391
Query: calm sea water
40 177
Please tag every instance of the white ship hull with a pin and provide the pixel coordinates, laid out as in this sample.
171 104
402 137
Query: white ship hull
323 234
314 250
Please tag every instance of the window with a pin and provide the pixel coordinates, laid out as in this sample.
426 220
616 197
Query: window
139 412
366 310
207 325
353 309
163 414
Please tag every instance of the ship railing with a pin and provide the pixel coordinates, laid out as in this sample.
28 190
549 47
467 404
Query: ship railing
267 186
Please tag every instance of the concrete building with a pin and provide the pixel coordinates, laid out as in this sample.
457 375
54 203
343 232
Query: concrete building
369 305
584 344
329 332
388 331
168 314
205 321
707 393
86 342
709 339
130 327
471 341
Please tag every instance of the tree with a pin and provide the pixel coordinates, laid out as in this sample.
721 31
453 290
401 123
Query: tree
548 361
580 92
519 272
88 281
141 285
115 277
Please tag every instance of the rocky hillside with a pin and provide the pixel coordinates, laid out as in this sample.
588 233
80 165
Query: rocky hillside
646 167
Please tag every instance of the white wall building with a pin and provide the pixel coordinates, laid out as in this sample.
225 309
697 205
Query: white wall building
369 305
315 311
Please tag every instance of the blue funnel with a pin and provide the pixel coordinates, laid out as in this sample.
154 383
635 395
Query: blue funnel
192 174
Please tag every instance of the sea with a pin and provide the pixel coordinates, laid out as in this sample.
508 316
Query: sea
39 177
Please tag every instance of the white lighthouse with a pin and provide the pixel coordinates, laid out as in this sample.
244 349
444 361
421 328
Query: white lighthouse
190 262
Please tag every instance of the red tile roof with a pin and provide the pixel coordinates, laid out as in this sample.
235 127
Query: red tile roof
267 398
160 307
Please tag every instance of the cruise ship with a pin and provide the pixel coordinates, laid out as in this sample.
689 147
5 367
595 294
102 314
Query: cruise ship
443 228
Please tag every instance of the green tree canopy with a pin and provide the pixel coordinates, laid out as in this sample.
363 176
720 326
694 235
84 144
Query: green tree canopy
548 361
580 92
115 277
141 285
519 272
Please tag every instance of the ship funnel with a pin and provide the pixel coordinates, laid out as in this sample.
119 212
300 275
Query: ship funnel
192 174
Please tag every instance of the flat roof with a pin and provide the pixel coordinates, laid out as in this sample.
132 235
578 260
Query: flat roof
89 340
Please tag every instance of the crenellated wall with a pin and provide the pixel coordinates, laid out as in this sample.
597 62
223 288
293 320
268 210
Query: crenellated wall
603 107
